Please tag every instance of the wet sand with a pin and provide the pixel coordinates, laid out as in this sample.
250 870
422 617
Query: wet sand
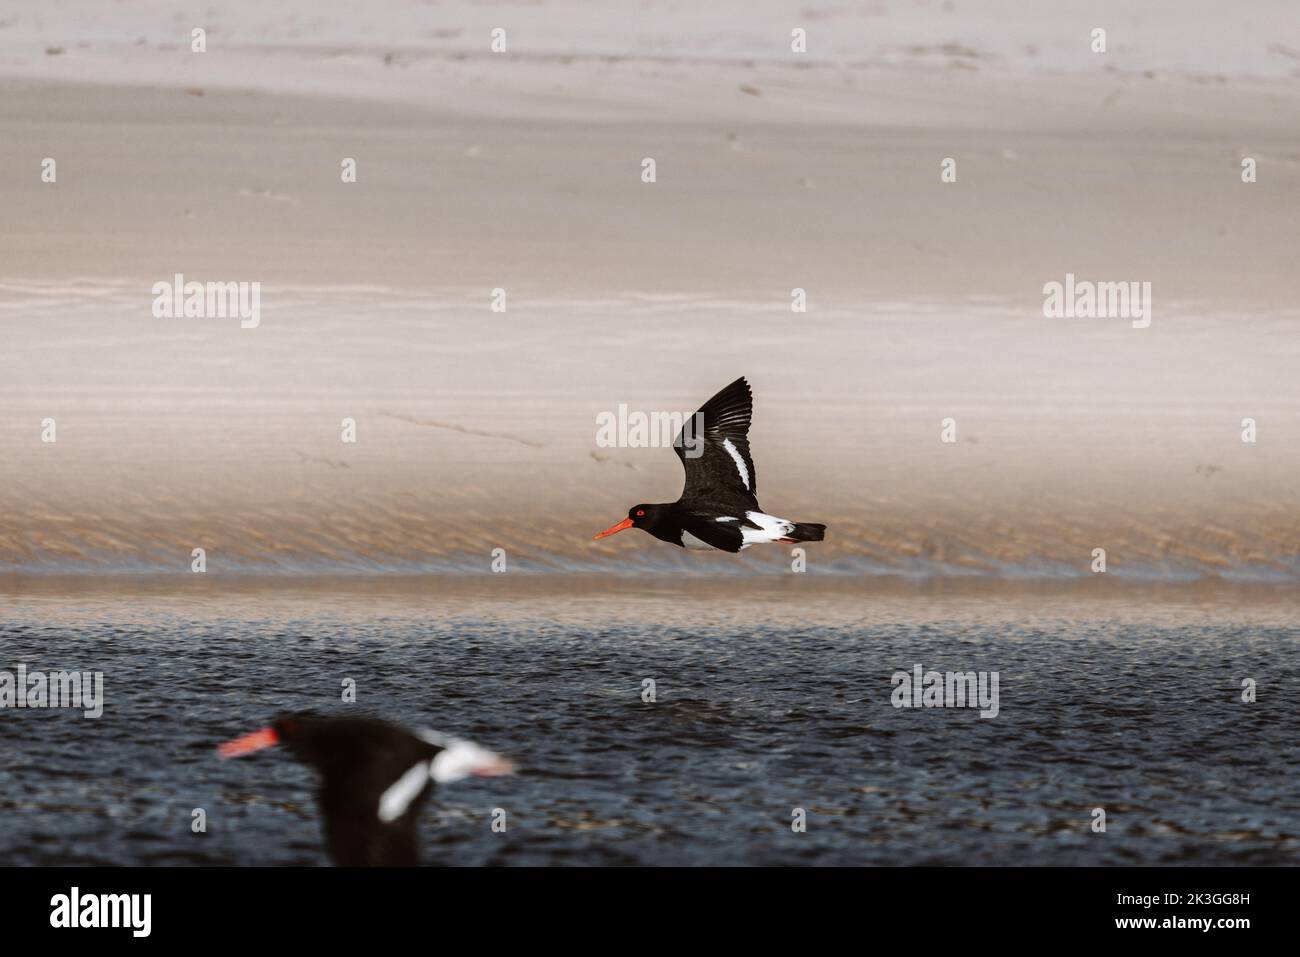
766 700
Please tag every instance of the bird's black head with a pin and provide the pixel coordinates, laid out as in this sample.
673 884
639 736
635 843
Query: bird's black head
638 516
307 737
327 742
332 743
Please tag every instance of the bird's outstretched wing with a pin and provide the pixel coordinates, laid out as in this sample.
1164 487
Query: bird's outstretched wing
714 448
362 829
373 785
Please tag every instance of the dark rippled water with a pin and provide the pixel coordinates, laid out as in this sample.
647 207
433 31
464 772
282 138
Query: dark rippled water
761 708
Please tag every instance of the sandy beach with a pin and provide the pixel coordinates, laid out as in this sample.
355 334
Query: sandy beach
775 171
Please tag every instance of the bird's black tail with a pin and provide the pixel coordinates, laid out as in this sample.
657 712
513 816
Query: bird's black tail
807 532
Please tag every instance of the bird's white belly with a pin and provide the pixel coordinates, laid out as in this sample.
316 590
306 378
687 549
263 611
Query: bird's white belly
690 541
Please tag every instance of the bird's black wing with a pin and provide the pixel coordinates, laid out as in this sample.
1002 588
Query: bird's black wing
355 837
353 787
714 448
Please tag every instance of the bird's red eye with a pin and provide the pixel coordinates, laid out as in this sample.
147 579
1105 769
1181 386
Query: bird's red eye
640 512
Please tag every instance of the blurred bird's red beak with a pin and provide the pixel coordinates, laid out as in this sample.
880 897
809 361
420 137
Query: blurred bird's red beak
626 523
249 743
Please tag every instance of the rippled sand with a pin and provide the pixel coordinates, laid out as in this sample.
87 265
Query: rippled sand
174 435
522 172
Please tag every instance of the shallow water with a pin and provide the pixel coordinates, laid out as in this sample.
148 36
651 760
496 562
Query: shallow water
766 702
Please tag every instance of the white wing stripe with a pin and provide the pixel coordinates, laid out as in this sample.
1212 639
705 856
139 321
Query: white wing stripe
740 462
394 802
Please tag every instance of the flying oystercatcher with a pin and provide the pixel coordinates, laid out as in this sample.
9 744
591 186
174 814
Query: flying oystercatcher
717 508
375 776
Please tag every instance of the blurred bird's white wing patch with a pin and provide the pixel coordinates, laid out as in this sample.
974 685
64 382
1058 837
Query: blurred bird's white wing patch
394 802
462 759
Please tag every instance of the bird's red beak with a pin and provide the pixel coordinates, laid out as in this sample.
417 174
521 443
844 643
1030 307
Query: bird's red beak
626 523
249 743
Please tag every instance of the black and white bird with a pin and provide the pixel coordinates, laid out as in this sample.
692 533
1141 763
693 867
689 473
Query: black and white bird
375 777
718 508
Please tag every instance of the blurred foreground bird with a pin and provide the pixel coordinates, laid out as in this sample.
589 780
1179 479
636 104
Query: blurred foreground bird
375 776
